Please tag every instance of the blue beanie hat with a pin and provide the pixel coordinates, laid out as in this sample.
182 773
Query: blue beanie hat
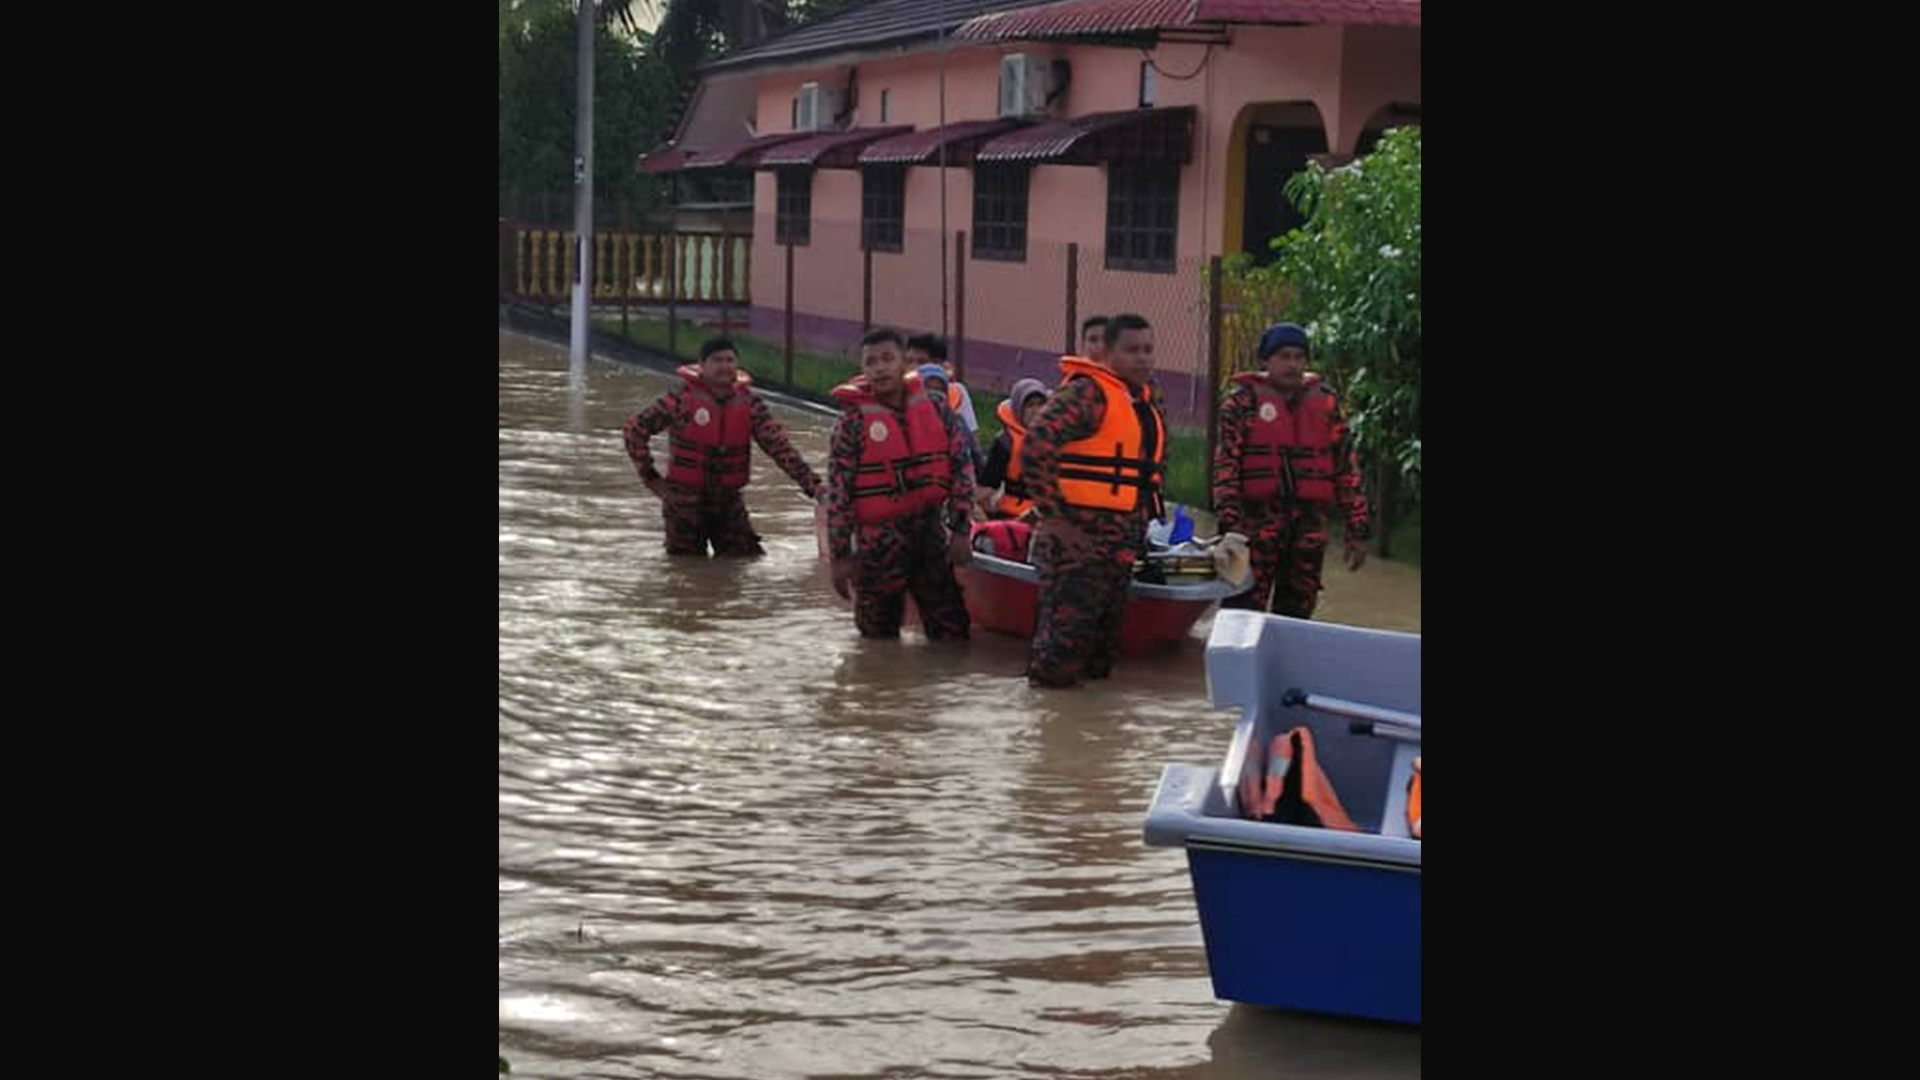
933 371
1280 335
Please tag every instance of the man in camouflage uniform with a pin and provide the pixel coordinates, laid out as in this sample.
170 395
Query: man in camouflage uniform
1286 534
914 553
1085 557
710 512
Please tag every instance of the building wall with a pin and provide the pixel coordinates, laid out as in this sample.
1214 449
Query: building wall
1015 322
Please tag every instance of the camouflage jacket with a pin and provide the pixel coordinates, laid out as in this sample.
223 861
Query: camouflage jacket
1236 413
843 457
670 410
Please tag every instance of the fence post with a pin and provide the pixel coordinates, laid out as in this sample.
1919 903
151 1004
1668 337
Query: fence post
673 290
866 289
1383 514
724 286
1213 371
1073 300
789 347
506 263
960 305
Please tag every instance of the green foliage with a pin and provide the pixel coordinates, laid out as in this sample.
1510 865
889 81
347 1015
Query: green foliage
1351 276
634 92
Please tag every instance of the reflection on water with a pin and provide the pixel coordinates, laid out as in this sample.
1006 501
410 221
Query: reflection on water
738 841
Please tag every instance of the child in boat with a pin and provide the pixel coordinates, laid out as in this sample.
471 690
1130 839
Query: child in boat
924 349
1003 461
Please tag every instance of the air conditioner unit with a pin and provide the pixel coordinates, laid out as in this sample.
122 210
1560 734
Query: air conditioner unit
1023 85
818 107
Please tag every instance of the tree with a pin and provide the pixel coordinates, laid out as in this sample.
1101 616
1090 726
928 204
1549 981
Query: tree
634 90
1355 264
1351 275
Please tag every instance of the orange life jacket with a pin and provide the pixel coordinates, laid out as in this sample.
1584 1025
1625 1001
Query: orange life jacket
1016 500
1106 470
903 468
1413 801
1294 791
711 447
1289 451
953 396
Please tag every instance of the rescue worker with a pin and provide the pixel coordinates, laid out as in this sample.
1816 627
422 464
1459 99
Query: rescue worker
924 349
1283 459
709 419
899 482
1003 461
1093 462
1093 337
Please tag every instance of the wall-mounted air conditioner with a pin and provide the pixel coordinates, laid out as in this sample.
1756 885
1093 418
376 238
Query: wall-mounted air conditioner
1023 85
818 107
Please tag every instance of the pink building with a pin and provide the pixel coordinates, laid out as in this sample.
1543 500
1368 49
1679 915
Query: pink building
1095 153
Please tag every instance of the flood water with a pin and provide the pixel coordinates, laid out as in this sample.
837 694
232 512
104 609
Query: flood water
738 841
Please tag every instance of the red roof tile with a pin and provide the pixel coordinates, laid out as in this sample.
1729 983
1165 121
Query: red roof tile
1107 18
1320 12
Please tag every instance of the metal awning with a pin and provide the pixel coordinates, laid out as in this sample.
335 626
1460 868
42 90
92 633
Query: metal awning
1163 136
961 141
665 159
742 154
827 150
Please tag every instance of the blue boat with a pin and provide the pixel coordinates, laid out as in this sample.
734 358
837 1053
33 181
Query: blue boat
1295 917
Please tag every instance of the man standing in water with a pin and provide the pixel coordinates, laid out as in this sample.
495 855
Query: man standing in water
1282 459
710 418
1093 460
899 484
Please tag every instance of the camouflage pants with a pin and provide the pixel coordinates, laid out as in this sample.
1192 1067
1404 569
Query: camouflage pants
1083 599
716 515
895 558
1288 542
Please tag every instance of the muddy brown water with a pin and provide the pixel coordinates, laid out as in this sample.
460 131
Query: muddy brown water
738 841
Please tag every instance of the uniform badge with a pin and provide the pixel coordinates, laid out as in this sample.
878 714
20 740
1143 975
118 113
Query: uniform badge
878 432
702 417
1268 412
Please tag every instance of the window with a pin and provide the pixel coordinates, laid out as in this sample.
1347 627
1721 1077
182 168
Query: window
1146 84
1000 212
1142 205
883 207
794 207
886 106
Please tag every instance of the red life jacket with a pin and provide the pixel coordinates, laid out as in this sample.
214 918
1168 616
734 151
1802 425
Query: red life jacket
1289 451
1003 538
710 446
904 468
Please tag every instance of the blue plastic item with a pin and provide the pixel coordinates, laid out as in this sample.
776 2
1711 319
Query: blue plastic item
1311 919
1182 527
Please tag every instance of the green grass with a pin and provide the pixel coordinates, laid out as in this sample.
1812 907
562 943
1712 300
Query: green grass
815 372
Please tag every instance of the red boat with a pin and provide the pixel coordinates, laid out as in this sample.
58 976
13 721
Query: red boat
1002 594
